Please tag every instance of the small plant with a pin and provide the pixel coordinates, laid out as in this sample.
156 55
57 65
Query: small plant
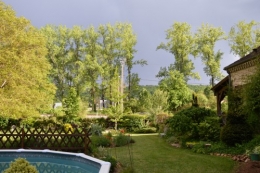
257 150
96 130
112 160
68 127
21 165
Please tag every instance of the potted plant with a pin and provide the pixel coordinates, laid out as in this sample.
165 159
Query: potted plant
254 154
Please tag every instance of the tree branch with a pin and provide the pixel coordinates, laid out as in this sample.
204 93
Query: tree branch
3 84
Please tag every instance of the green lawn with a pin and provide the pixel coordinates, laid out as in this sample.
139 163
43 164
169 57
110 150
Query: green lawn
151 154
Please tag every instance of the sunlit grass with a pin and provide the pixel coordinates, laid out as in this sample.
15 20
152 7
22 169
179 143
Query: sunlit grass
151 154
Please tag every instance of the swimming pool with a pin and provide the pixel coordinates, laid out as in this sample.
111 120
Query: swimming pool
55 161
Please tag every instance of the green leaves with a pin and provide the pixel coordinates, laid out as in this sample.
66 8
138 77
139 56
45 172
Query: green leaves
181 45
178 92
206 38
25 87
243 37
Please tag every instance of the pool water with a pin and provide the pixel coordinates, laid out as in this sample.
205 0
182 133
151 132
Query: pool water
51 162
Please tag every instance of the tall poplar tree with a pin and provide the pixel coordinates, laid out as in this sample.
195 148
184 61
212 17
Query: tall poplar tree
181 45
58 55
243 37
206 38
92 68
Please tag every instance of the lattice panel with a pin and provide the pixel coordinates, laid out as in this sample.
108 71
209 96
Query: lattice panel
55 139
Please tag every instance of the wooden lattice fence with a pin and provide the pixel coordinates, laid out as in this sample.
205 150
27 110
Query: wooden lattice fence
72 140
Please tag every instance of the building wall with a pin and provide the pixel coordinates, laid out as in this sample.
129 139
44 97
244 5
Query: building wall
240 77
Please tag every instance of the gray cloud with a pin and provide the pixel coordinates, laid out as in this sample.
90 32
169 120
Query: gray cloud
150 20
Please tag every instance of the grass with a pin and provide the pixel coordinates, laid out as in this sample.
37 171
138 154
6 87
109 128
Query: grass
152 154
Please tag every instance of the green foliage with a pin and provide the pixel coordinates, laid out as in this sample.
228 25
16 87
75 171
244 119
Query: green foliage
176 88
251 100
233 134
21 165
218 147
99 141
181 45
68 127
25 89
132 122
149 88
206 38
158 104
209 130
197 88
113 162
179 125
194 123
144 100
243 37
71 105
146 130
236 130
122 140
96 130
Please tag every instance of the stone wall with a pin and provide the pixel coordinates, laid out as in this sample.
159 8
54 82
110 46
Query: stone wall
240 77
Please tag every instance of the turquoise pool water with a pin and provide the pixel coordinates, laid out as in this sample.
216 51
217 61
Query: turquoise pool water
47 162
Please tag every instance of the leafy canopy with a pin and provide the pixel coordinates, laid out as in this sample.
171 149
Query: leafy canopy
24 86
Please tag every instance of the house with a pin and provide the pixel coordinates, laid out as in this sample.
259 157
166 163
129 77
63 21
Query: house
238 72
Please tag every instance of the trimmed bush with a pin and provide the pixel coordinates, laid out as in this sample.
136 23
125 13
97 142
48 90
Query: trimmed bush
21 165
146 130
132 122
232 134
194 124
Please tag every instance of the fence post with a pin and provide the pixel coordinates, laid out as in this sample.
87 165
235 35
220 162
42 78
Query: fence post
22 138
85 141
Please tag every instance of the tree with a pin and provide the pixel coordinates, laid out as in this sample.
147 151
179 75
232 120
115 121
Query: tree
76 57
134 85
206 38
144 100
58 55
243 37
25 89
71 105
181 45
158 103
92 68
176 87
109 42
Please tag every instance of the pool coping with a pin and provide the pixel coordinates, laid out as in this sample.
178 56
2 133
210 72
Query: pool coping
105 166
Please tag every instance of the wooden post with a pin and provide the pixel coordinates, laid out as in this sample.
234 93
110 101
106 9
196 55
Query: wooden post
22 145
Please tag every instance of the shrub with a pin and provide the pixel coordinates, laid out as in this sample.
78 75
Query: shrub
146 130
68 127
122 140
254 142
21 165
179 125
209 130
98 141
96 130
132 122
232 134
194 124
113 162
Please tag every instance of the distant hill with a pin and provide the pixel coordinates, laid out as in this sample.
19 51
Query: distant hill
195 88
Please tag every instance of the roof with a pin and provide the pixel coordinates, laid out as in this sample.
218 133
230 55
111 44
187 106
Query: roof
222 84
244 59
